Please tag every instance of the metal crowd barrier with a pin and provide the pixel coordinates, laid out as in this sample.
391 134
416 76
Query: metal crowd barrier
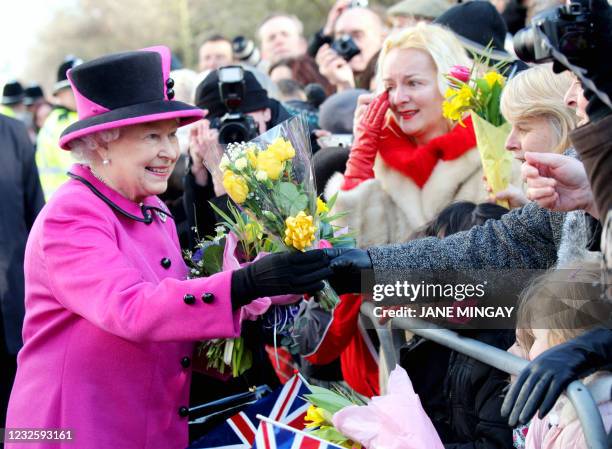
390 342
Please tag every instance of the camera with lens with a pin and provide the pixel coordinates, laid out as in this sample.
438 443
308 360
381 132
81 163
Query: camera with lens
567 29
246 51
234 126
346 47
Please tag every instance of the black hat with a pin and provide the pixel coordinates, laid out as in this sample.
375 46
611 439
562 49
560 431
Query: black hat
70 62
478 24
125 89
32 93
208 95
12 93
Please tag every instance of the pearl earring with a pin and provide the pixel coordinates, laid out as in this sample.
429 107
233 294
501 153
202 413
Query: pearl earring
105 161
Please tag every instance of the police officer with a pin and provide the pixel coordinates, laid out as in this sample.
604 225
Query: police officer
53 162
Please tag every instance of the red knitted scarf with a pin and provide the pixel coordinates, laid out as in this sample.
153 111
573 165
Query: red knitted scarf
418 162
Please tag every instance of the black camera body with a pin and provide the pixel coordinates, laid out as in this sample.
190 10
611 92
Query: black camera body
346 47
234 126
569 29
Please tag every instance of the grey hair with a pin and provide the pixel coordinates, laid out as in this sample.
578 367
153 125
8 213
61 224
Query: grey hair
83 148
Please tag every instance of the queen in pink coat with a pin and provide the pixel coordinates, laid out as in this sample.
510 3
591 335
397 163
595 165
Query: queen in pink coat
111 320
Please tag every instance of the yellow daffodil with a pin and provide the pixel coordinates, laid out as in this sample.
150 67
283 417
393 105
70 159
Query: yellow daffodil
450 92
270 163
299 231
282 148
314 417
321 206
235 186
494 77
458 102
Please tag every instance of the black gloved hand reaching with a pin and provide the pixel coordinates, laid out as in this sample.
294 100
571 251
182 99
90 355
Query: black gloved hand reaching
347 265
541 383
280 274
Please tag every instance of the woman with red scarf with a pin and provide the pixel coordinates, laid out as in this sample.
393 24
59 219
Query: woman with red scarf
408 161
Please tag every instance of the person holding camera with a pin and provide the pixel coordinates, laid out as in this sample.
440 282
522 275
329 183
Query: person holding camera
237 108
352 36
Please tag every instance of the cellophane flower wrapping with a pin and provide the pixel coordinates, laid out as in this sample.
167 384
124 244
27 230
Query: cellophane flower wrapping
480 95
393 421
271 179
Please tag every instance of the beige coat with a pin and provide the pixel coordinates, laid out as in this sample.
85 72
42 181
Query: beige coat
390 207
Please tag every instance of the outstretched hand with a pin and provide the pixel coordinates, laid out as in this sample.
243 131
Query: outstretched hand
557 182
347 265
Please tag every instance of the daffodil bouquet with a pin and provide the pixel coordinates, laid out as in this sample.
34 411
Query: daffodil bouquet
323 404
479 96
271 179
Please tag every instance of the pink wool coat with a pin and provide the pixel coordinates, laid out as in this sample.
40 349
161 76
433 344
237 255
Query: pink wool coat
110 324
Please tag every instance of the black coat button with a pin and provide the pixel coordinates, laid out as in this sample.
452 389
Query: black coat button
170 94
208 298
183 412
189 299
185 362
169 83
165 262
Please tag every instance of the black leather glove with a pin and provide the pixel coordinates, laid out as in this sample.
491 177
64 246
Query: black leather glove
546 377
347 265
280 274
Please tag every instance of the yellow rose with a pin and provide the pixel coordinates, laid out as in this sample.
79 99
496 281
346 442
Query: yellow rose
252 232
321 206
270 163
251 156
299 231
261 175
235 186
241 163
494 77
282 148
225 162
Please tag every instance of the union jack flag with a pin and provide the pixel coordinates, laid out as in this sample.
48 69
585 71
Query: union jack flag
286 405
275 435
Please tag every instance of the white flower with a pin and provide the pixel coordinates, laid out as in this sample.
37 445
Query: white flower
224 162
241 163
261 175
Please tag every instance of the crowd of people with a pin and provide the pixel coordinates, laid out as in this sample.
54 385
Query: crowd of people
107 183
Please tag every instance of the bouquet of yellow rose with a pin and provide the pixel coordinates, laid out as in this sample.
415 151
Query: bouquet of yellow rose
271 179
237 240
480 96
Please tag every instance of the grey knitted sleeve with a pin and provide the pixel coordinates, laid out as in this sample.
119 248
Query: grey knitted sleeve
524 238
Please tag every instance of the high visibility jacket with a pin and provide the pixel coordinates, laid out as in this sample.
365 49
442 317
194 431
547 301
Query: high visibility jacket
5 110
52 161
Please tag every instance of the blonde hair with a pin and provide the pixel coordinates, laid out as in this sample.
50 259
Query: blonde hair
440 43
538 92
565 302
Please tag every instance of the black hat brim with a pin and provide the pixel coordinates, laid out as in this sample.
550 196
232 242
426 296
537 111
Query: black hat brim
131 115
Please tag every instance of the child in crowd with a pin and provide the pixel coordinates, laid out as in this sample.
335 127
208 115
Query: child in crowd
557 307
